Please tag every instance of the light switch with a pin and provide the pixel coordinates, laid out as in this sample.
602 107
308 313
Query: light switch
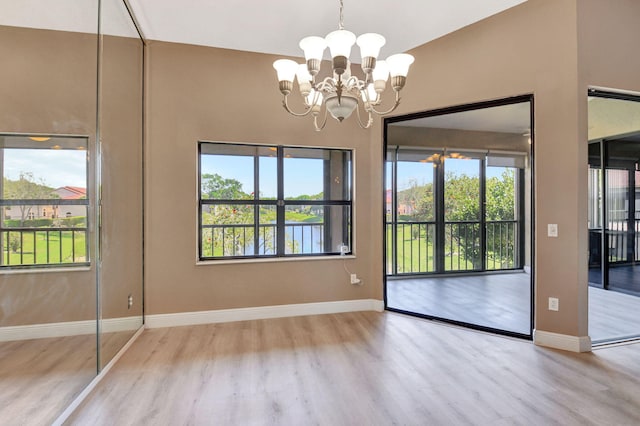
552 230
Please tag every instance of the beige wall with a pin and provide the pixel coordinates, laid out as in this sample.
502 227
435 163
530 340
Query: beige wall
198 93
531 48
47 85
608 32
121 177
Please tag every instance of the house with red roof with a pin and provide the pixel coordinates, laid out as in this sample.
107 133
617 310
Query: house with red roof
53 211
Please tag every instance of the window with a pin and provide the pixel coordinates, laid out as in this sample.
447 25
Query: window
39 175
273 201
451 210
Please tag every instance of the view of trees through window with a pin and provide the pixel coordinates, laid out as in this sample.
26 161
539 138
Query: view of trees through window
43 215
450 215
273 201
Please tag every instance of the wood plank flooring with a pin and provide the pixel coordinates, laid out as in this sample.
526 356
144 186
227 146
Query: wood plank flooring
499 301
613 315
502 302
362 368
39 378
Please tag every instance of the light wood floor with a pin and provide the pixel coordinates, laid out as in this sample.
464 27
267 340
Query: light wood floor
499 301
363 368
39 378
502 301
613 315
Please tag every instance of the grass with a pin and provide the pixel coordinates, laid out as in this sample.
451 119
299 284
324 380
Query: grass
60 247
415 253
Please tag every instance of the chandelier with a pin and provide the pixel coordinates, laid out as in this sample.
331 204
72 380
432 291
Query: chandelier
341 93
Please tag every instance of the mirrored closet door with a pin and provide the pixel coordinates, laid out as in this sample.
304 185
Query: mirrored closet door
70 199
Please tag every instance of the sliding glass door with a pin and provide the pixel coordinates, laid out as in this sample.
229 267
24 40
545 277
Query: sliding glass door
614 217
458 204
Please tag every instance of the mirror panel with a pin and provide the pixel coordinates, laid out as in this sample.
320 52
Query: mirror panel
48 82
120 129
614 216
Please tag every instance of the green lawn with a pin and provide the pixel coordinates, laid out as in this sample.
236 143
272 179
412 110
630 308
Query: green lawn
59 247
415 253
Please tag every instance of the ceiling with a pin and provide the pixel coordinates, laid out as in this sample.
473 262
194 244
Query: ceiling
611 118
266 26
276 26
512 118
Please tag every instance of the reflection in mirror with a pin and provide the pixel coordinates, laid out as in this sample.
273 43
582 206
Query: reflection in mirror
48 87
458 215
43 220
120 128
614 217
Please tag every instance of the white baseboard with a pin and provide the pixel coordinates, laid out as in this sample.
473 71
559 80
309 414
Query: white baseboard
261 312
114 325
562 341
69 328
42 331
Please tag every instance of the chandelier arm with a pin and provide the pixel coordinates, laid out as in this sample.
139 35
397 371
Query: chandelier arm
354 82
326 85
369 120
393 108
285 104
324 121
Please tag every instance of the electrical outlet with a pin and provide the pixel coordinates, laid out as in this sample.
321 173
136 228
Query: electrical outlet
355 279
129 302
554 304
552 230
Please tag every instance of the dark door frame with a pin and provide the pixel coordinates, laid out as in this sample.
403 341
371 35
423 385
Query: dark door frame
455 109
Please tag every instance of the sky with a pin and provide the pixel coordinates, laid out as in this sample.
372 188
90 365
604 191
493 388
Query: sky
68 168
55 167
302 176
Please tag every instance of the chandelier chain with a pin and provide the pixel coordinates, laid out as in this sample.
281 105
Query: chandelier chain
341 25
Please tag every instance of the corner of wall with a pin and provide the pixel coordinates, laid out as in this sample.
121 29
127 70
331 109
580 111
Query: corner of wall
562 341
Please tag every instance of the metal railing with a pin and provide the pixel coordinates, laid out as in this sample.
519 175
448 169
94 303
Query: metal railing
231 240
304 238
414 242
416 252
462 246
623 243
501 245
43 246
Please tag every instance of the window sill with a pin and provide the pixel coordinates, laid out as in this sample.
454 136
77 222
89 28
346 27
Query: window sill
45 270
272 260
